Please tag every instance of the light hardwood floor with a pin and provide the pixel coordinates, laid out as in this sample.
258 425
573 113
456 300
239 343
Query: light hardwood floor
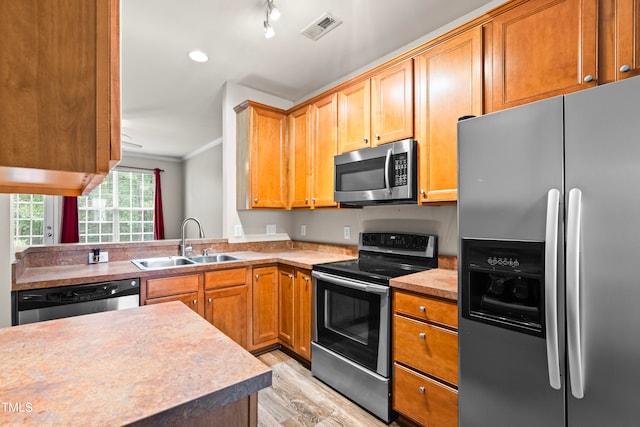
297 399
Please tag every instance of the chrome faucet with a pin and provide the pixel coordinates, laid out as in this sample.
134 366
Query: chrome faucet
183 249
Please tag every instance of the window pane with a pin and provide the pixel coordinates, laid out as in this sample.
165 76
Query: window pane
123 198
28 219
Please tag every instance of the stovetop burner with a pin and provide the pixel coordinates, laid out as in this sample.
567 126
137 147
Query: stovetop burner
384 256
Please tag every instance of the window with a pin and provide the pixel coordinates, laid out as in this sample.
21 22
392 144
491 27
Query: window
29 219
118 210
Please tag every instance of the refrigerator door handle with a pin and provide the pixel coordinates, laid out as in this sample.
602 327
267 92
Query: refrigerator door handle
574 348
551 287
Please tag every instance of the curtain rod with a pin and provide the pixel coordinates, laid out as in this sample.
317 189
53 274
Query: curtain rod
122 167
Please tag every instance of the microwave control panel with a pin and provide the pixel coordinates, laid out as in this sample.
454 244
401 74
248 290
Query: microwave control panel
400 170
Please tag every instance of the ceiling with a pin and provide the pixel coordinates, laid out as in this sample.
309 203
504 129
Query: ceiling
171 106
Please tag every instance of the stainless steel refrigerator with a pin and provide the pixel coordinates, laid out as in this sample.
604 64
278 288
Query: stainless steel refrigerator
549 261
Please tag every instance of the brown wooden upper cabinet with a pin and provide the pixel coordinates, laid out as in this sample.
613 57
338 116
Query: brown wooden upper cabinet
618 40
376 110
261 156
448 81
312 131
60 95
543 48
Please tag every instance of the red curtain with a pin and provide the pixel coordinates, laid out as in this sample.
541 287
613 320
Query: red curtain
69 232
158 217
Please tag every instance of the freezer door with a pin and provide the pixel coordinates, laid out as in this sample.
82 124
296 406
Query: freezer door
508 162
603 162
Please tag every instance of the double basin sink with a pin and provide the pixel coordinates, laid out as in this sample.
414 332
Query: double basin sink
181 261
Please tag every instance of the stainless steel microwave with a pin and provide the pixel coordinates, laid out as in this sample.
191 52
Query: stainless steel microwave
377 175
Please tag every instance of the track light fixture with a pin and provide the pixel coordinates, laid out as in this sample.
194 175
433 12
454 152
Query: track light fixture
272 14
272 10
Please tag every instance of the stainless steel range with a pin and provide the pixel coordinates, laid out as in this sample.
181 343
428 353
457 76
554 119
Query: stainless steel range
351 348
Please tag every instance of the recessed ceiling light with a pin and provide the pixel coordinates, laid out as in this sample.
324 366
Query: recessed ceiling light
198 56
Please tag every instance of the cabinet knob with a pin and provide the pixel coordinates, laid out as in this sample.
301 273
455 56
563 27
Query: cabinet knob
422 191
366 140
306 279
422 335
255 200
306 200
313 200
422 309
378 137
625 68
210 300
588 78
257 276
421 390
195 301
290 276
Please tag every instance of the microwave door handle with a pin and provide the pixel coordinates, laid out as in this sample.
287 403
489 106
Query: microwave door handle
387 170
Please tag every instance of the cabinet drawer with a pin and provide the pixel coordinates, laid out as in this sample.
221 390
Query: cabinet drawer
225 278
426 308
423 399
427 348
172 285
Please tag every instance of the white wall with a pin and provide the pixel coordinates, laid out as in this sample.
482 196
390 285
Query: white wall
6 258
172 188
327 226
203 189
253 222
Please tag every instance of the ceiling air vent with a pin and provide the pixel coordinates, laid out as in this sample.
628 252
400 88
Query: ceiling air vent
321 26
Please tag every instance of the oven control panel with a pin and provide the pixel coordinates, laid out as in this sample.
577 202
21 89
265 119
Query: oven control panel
401 243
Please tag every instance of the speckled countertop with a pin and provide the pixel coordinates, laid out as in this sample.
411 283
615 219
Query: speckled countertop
119 367
438 282
62 275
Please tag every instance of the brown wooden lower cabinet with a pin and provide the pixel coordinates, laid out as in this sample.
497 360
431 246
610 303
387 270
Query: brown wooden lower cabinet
295 292
425 355
226 302
265 307
423 399
185 288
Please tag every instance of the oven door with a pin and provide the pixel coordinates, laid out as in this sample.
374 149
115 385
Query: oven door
352 319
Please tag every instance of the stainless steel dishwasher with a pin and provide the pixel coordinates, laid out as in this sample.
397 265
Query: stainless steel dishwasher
37 305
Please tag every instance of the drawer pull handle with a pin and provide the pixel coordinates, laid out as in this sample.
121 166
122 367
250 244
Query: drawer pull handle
421 390
195 301
422 309
422 335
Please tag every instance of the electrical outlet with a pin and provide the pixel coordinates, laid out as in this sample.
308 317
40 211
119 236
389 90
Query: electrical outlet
271 229
347 232
237 230
102 257
303 230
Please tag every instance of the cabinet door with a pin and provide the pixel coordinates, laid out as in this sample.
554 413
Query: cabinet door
190 300
60 103
354 116
286 284
268 158
448 86
618 40
302 310
300 157
226 309
392 103
543 48
325 147
265 306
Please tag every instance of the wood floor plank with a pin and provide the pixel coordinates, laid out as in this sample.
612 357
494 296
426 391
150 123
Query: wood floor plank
296 399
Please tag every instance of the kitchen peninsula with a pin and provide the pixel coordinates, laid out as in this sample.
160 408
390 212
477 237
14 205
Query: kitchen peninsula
150 365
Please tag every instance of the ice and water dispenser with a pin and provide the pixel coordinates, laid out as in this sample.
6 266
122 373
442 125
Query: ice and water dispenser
503 284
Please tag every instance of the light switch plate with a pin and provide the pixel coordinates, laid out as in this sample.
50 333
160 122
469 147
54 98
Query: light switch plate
271 229
237 230
303 230
347 232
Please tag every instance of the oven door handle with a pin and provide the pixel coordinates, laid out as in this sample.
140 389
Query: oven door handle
352 284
